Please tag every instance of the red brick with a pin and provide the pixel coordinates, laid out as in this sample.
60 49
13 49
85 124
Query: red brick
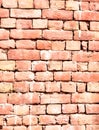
54 65
37 87
62 76
14 120
20 128
71 25
29 76
93 66
81 108
25 3
39 66
94 5
53 127
69 66
57 35
81 98
94 26
74 5
58 45
92 127
4 34
8 22
21 110
82 66
23 23
55 55
84 5
81 87
94 45
72 45
7 65
23 65
7 44
6 109
21 86
94 108
25 34
57 14
47 76
21 54
69 108
52 86
86 35
24 13
30 119
41 4
55 98
4 13
85 56
73 127
57 4
86 15
80 119
38 109
3 98
46 119
85 77
84 26
7 127
37 127
68 87
62 119
55 25
93 87
40 23
44 45
54 109
7 76
9 3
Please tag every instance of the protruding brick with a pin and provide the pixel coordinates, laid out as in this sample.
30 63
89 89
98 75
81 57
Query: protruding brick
25 3
41 4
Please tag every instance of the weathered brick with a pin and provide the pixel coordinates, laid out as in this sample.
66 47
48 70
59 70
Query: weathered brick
53 127
55 25
6 76
82 66
92 127
74 5
7 65
20 128
14 120
8 22
9 3
44 45
6 87
23 65
25 3
62 76
73 127
30 119
21 110
52 86
73 45
37 87
81 87
39 66
94 45
93 66
55 65
93 108
71 25
7 44
40 23
41 4
6 109
4 34
57 4
69 66
3 98
93 87
69 108
54 109
62 119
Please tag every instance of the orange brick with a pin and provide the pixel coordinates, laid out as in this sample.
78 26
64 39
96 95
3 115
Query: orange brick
52 86
30 119
93 66
57 35
73 127
39 66
25 34
47 119
74 5
84 26
7 44
54 65
55 25
69 108
94 5
94 26
47 76
25 3
21 110
62 76
81 98
69 87
80 119
93 87
92 127
81 108
4 13
23 23
94 45
44 45
62 119
41 4
58 45
38 109
71 25
21 86
57 14
3 98
8 22
57 4
54 109
81 87
24 13
37 87
9 3
21 54
23 65
94 108
40 23
84 5
7 76
6 109
55 98
14 120
4 34
69 66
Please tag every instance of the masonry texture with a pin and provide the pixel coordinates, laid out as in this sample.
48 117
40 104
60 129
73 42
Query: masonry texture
49 64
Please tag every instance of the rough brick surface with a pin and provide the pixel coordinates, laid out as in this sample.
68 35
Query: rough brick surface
49 64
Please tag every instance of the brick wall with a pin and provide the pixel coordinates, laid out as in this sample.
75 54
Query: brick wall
49 64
